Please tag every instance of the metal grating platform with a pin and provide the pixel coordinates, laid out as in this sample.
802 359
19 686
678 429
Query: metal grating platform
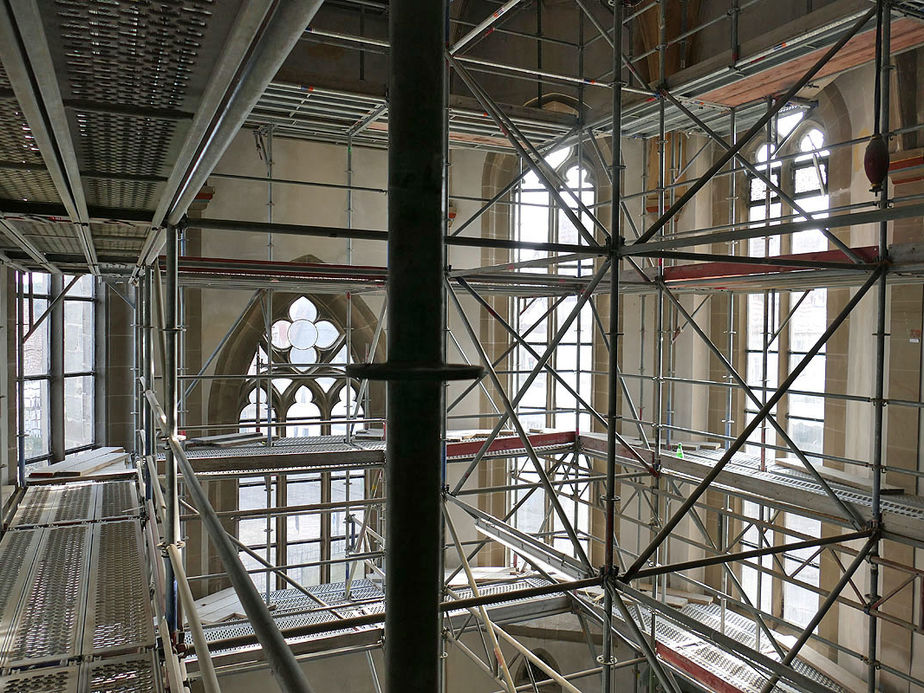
131 91
689 652
51 680
796 490
337 116
132 674
291 608
904 514
119 614
45 621
81 590
85 501
121 84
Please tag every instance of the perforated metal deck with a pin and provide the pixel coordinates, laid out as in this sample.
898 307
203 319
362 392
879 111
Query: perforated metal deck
130 76
49 680
291 608
694 655
46 619
119 615
79 501
730 668
903 515
132 674
80 590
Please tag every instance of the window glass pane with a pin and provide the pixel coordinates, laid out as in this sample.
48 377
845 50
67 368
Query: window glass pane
812 240
35 349
83 288
339 410
809 321
806 180
78 411
252 532
338 570
808 435
759 187
558 157
338 494
78 336
753 539
787 123
303 408
304 553
36 414
800 604
259 578
530 311
39 282
252 495
529 516
812 141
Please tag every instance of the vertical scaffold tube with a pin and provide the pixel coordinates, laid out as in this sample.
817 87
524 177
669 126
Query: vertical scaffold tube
148 350
415 296
171 407
612 404
883 57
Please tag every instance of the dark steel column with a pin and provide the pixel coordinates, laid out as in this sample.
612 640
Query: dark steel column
613 375
415 300
883 56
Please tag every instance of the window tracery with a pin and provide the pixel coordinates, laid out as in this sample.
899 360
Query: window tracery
303 343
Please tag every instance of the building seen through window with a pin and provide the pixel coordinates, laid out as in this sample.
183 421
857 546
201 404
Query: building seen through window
58 376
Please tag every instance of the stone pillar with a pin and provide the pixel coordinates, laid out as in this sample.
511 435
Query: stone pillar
903 428
495 223
115 366
7 384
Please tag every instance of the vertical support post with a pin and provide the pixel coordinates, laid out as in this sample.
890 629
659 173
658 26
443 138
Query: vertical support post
20 382
613 375
732 250
148 343
733 18
143 312
138 389
415 295
884 28
172 529
447 333
347 389
657 399
58 443
730 325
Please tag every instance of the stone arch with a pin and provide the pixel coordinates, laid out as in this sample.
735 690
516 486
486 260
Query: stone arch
225 395
527 672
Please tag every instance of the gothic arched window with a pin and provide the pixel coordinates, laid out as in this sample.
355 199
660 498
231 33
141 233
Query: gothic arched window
547 403
297 384
309 396
781 328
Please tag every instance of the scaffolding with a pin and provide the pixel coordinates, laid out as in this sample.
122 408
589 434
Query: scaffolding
627 470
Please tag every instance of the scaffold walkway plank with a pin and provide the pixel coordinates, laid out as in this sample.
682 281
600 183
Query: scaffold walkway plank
74 502
80 590
903 514
138 673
